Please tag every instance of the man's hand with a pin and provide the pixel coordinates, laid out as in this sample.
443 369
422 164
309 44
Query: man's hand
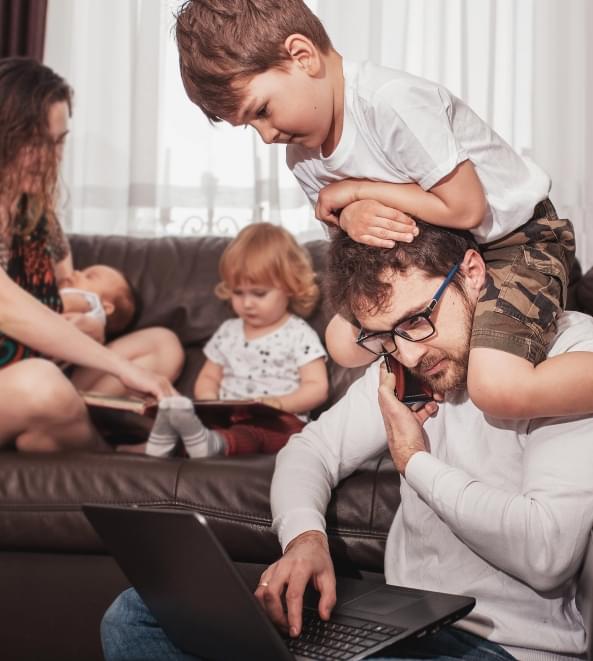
306 557
373 223
144 381
403 427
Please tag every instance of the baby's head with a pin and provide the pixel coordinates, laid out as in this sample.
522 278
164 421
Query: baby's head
118 297
224 44
265 255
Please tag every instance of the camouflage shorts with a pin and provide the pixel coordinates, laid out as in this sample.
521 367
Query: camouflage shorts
525 288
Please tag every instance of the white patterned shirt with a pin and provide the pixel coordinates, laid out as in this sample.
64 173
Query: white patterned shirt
264 366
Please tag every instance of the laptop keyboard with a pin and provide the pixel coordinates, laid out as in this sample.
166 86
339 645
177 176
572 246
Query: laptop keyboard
340 638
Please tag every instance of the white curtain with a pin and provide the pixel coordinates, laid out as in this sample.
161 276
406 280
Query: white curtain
143 160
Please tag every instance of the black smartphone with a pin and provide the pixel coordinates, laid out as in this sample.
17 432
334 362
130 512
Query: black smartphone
408 388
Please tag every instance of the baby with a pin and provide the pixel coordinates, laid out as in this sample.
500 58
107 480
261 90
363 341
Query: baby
99 300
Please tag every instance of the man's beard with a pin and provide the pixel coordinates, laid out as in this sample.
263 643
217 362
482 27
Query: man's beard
453 376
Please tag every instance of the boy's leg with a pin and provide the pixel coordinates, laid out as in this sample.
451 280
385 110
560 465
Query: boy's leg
41 410
129 632
514 321
157 349
261 436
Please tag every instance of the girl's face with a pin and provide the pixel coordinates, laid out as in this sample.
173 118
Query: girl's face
259 306
32 160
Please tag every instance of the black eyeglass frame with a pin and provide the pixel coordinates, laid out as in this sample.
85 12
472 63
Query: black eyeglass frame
426 313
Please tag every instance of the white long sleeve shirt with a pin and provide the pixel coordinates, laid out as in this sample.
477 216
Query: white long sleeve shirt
500 510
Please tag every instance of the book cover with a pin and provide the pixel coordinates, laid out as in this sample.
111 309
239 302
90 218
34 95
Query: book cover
130 419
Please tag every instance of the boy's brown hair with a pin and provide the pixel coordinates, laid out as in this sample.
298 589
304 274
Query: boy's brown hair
266 254
224 43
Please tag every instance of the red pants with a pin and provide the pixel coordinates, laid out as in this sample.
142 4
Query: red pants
259 435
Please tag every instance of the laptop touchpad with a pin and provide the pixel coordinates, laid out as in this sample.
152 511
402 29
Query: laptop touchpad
381 602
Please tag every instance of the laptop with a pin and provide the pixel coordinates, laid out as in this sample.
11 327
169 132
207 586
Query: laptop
205 603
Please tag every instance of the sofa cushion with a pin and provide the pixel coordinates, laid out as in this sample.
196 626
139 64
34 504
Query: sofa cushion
40 498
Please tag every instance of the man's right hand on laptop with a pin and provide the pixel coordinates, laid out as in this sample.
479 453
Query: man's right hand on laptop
306 557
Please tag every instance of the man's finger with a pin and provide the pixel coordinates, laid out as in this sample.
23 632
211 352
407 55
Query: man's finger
326 585
294 600
269 595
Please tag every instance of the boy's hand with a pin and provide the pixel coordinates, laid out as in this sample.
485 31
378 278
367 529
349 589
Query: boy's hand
370 222
335 197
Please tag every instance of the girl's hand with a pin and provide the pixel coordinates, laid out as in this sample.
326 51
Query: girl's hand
403 426
370 222
334 197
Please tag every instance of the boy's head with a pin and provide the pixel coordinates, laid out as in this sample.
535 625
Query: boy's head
119 299
224 44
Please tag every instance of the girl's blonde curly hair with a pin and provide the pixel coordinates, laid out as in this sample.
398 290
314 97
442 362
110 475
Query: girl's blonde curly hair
268 255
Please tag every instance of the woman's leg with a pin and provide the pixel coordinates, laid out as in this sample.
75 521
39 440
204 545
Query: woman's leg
157 349
129 632
41 411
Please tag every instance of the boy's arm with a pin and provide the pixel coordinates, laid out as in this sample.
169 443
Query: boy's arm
312 391
207 385
455 201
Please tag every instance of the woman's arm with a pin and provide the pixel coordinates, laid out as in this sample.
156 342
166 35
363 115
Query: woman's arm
207 385
28 321
312 391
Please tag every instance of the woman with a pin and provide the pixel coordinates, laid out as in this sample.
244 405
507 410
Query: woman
39 405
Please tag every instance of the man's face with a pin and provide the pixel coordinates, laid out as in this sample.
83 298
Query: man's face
287 106
441 360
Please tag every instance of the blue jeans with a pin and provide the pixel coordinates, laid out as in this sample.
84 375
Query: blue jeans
130 633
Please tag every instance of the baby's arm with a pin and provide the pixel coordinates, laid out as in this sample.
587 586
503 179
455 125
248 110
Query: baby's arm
90 326
312 391
456 201
207 385
340 340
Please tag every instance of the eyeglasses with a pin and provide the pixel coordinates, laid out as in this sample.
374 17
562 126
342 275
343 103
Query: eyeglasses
415 328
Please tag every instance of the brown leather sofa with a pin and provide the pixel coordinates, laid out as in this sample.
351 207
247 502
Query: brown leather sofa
56 579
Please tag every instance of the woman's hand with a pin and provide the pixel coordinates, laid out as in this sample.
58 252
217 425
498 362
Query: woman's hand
403 426
144 381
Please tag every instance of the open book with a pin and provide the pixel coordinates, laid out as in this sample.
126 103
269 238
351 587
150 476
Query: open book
130 419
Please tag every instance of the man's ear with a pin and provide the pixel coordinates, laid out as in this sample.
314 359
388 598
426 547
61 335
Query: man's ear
474 271
303 53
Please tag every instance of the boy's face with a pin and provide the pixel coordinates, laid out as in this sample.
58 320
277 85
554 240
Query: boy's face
100 279
288 106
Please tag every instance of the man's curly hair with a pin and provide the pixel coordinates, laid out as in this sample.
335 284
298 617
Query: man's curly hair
355 278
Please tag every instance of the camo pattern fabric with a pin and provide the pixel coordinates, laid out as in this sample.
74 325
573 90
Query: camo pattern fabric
526 285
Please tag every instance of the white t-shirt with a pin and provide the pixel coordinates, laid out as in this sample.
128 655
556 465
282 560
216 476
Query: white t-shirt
498 509
266 365
400 128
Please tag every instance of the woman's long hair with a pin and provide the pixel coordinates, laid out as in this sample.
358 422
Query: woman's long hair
28 89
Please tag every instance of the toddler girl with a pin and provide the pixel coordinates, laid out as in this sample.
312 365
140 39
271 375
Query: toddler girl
267 353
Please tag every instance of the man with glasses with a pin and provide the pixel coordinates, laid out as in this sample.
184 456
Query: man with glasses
497 509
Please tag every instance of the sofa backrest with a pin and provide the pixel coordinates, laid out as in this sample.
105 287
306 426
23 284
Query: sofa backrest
175 277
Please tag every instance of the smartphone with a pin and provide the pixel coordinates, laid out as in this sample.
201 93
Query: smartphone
408 388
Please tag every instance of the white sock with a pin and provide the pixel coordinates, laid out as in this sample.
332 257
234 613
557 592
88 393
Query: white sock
199 441
163 436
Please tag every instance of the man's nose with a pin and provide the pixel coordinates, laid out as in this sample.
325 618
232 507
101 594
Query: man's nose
409 353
